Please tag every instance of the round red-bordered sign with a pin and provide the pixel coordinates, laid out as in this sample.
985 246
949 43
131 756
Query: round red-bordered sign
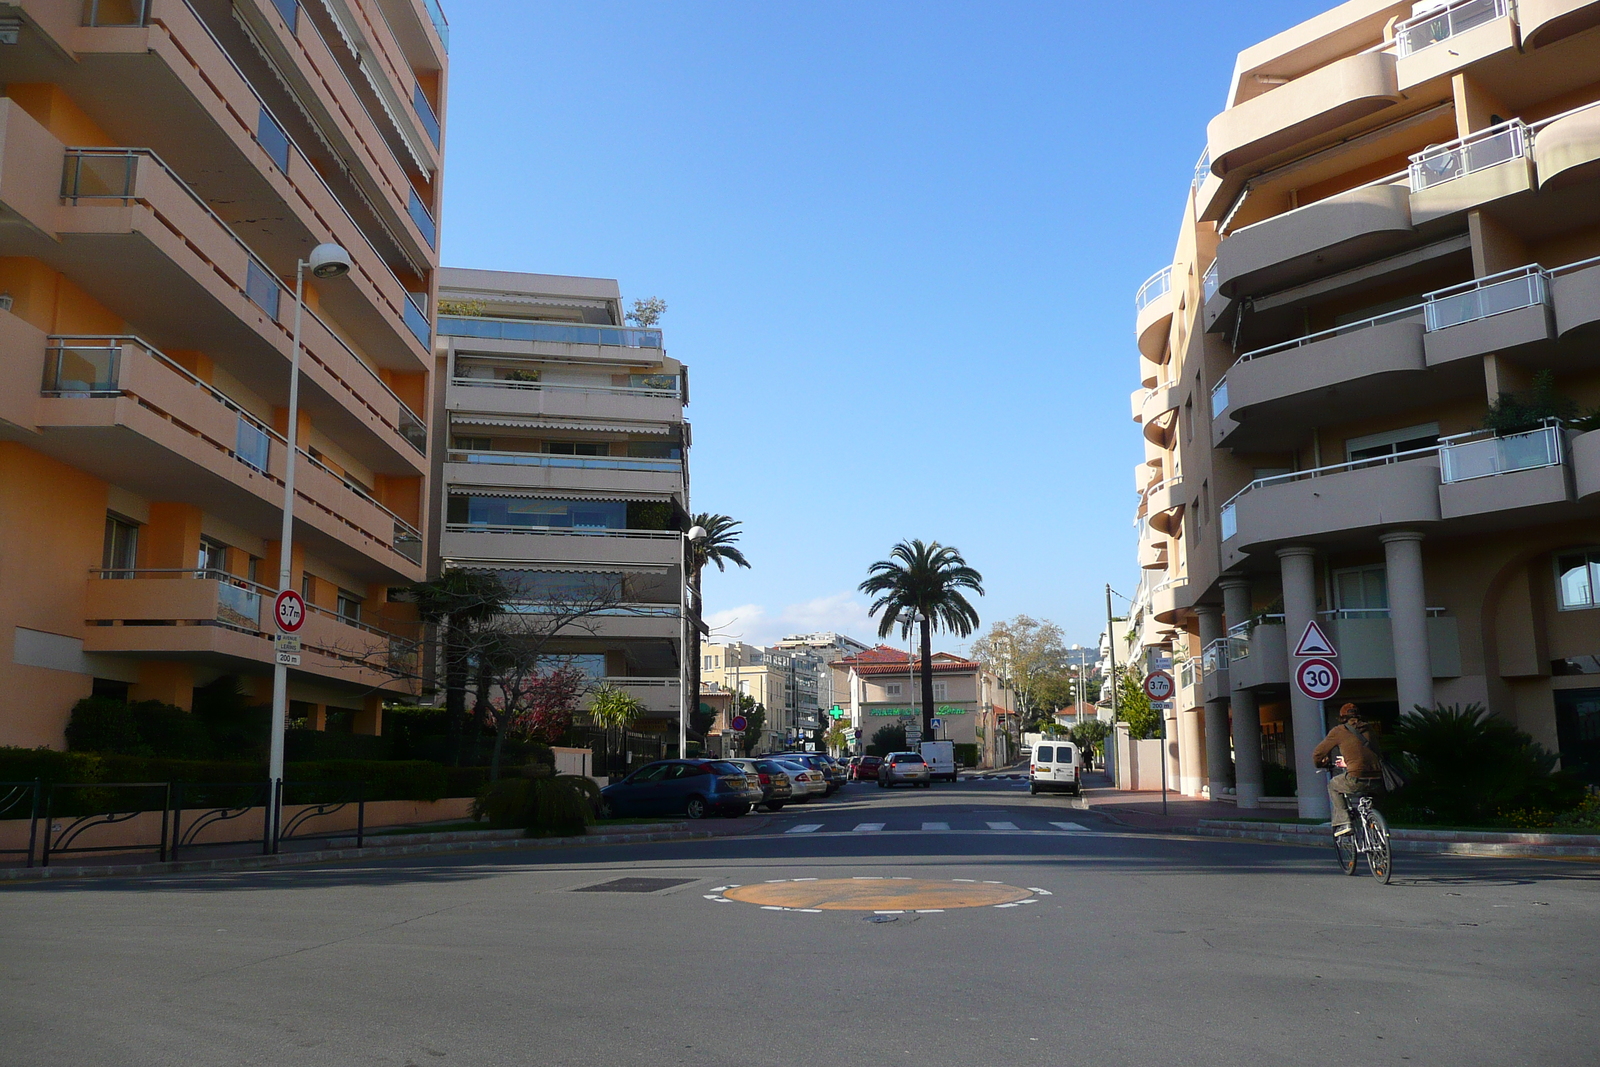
739 723
289 611
1317 678
1158 686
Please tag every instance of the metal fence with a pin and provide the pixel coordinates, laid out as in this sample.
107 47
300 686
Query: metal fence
15 798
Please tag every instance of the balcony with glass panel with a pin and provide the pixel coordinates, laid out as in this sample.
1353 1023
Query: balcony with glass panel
486 524
1258 657
1501 313
1153 305
1511 474
220 617
512 388
1443 39
554 340
648 476
124 412
1365 640
1479 169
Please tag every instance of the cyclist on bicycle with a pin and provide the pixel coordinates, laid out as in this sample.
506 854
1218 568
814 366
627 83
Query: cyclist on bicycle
1351 743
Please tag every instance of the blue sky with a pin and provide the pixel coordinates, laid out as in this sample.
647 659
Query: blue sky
899 244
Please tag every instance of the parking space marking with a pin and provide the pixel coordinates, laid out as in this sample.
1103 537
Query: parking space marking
804 828
1075 826
868 827
1002 826
936 826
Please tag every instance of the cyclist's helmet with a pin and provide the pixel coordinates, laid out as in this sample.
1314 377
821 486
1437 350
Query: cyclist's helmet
1349 711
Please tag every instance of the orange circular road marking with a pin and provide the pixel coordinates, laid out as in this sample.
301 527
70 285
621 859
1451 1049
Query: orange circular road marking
876 894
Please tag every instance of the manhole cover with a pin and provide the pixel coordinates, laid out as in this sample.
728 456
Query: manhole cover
634 885
881 918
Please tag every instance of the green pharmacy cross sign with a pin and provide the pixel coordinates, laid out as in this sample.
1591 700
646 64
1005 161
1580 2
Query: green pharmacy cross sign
836 712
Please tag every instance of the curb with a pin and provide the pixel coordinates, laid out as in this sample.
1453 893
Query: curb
291 859
1434 842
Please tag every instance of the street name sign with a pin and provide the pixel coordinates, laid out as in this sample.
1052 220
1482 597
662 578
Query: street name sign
287 648
1317 678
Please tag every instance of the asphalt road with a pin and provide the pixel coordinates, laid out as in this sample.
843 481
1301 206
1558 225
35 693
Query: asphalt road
1122 948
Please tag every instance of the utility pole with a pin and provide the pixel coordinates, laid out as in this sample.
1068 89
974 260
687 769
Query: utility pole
1111 653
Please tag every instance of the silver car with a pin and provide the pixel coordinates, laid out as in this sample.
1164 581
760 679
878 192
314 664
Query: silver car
904 768
806 782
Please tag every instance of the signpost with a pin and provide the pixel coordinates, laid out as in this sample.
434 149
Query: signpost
935 723
1317 678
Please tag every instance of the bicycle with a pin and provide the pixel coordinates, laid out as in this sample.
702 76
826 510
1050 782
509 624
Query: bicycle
1369 837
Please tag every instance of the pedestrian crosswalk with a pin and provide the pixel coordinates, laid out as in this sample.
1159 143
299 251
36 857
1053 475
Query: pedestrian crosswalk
956 825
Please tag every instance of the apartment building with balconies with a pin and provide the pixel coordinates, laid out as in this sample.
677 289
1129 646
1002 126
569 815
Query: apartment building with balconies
562 467
1395 228
163 166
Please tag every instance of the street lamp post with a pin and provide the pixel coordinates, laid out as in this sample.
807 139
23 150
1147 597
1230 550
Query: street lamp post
326 261
695 535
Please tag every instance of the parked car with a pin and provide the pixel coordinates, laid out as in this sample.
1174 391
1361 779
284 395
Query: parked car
1056 765
901 768
804 781
866 768
776 787
832 776
692 787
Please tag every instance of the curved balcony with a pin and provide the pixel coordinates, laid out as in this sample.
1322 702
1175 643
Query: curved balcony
1168 598
1154 303
1306 108
1153 555
1164 502
1329 503
1136 399
1444 39
1367 366
1343 230
1158 412
1547 21
1586 464
1567 150
1575 291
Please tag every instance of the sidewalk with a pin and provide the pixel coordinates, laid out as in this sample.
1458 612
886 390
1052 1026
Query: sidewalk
1143 810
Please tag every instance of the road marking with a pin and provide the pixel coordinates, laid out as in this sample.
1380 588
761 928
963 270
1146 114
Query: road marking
936 826
804 828
868 827
1002 826
1070 826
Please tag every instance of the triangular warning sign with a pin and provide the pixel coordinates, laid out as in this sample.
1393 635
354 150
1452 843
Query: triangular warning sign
1314 642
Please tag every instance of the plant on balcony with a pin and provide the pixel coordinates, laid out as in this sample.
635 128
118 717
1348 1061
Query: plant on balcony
647 312
522 376
1512 413
469 309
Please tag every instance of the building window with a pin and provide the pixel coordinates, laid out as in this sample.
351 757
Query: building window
273 139
1578 578
892 689
576 448
474 444
941 690
213 558
1362 591
349 606
707 664
121 551
1392 442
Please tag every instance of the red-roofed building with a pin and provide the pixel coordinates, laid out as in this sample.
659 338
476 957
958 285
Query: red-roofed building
884 688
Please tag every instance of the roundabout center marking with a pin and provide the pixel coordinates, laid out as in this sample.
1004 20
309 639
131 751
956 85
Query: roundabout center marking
882 896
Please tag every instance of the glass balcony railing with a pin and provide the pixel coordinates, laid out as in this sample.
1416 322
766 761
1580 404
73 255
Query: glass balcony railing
1484 149
523 330
1155 287
1494 295
424 110
1202 169
1219 398
593 463
1215 657
1441 24
417 321
115 12
1471 456
441 25
1229 520
1211 282
423 218
667 388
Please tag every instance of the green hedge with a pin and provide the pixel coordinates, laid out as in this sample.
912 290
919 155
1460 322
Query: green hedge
966 755
383 779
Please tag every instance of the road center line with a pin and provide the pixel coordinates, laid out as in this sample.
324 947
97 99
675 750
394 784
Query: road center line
868 827
804 828
1002 826
936 826
1070 826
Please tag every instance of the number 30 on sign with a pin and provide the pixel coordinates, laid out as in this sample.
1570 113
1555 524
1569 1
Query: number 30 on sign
1317 678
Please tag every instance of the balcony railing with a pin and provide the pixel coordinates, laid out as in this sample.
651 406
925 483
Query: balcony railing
1337 331
1156 286
1229 517
1212 281
551 607
540 459
1468 155
112 173
612 390
1202 168
1214 657
424 110
562 531
441 25
1508 291
493 329
1186 674
115 12
1219 398
1441 24
79 367
1373 613
1465 457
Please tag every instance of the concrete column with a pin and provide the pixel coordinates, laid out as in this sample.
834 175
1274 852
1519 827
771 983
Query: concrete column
1408 619
1246 719
1298 565
1218 754
1190 770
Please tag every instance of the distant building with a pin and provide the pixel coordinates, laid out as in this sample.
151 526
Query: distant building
883 688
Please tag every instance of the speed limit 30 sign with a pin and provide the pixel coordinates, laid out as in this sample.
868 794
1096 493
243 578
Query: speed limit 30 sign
1317 678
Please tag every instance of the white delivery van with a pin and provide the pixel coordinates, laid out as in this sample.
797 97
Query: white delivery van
1056 765
940 757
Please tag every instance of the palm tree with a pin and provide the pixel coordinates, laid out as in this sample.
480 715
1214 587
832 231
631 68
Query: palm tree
716 547
924 582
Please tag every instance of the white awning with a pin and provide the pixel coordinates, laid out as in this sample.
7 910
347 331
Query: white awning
523 493
464 564
529 422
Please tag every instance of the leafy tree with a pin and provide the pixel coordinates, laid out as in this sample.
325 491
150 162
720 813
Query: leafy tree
719 547
1134 708
531 701
616 709
459 607
1024 653
1089 736
647 312
756 722
891 738
837 737
923 581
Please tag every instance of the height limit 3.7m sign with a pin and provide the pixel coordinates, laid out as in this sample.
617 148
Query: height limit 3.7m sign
1317 678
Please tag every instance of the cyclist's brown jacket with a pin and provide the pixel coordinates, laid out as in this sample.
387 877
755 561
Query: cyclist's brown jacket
1360 761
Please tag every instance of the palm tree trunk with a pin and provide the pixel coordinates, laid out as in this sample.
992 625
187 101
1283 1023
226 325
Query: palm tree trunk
927 679
692 651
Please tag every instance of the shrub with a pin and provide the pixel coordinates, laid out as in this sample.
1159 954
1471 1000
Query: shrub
238 728
1586 816
100 724
1278 781
564 804
888 739
1469 768
167 730
506 804
966 755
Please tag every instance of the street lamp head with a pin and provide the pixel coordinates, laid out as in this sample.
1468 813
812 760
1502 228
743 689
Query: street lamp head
329 261
696 534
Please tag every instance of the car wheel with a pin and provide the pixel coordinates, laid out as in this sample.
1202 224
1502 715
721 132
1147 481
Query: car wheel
778 806
605 809
1033 789
695 808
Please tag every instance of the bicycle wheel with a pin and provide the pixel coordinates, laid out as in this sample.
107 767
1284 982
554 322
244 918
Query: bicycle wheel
1378 857
1345 848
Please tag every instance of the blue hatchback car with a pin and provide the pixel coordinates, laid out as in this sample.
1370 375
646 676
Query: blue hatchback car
692 787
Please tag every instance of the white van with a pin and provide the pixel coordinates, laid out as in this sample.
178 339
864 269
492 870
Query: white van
1056 765
941 759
